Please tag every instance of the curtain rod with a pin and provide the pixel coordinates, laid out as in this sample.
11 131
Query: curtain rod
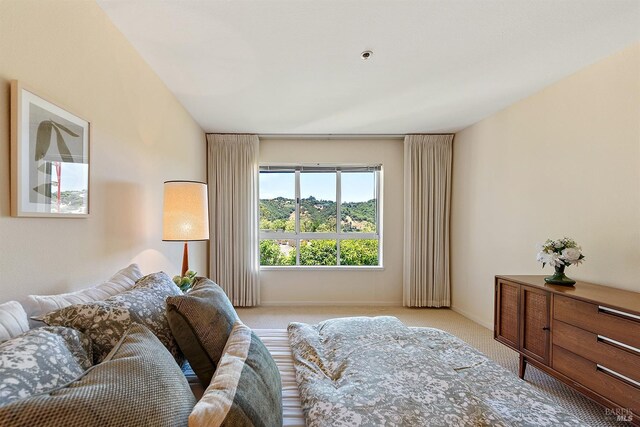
329 136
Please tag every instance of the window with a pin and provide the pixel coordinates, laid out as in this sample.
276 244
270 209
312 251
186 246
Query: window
299 211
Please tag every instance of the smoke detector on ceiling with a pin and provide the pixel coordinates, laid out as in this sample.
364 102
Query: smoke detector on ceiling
367 54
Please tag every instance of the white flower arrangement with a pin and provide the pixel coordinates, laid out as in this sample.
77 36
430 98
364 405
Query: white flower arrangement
560 253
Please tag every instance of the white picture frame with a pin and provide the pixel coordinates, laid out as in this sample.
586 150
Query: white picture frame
49 158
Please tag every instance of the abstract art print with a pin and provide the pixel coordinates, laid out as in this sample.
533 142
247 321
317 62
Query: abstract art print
49 158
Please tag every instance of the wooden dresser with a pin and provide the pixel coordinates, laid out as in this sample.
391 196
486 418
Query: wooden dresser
587 336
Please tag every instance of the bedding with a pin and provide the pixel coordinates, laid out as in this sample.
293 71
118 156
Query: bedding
106 321
201 321
41 360
377 371
39 305
277 342
138 384
246 390
13 320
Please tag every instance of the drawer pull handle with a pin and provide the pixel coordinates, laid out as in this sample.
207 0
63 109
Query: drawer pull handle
618 343
618 313
617 375
546 328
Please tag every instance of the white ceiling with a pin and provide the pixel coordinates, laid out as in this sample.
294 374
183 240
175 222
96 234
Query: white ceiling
293 66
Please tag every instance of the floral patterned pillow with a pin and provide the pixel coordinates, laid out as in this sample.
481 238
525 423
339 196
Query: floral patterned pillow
105 322
40 360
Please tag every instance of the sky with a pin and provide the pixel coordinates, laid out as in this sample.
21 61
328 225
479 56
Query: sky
356 186
73 176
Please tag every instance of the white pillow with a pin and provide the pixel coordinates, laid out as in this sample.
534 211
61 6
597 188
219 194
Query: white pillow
13 320
37 306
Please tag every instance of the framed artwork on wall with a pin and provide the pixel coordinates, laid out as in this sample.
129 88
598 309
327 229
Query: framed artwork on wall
49 158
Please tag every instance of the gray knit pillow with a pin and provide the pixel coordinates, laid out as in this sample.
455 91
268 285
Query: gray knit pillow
106 321
138 384
41 360
201 321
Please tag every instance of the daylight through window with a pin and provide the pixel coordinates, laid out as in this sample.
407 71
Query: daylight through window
299 211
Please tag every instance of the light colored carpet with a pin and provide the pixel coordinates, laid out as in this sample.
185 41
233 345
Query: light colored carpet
447 320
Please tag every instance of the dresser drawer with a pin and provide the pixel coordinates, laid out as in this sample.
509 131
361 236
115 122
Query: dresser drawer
590 375
597 319
597 349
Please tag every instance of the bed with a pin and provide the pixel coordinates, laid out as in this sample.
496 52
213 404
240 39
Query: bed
329 377
450 382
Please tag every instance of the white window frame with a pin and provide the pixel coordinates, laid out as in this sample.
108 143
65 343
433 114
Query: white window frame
339 235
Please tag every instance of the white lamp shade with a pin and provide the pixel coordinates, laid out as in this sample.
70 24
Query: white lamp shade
186 211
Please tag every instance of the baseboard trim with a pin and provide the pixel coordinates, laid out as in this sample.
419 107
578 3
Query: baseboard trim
472 317
331 303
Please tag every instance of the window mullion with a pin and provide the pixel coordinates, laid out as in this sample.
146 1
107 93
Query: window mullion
338 213
378 190
297 226
376 183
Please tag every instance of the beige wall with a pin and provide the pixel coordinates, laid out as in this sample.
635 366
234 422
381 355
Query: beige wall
347 286
70 52
565 161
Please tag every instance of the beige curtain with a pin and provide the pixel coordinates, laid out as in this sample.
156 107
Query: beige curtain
427 199
233 211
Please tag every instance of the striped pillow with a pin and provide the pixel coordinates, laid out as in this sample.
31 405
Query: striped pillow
37 306
246 389
13 320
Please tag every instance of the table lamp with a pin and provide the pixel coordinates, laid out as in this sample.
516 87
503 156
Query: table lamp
185 214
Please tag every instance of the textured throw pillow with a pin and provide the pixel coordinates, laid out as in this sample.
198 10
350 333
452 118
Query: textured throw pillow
106 321
38 305
201 322
13 320
139 384
246 389
41 360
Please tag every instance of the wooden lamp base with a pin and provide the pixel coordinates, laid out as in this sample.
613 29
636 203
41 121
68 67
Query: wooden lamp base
185 260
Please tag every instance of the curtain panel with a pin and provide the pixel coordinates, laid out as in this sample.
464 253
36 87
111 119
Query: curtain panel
233 210
427 200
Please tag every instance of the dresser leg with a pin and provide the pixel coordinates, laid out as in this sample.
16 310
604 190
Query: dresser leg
522 367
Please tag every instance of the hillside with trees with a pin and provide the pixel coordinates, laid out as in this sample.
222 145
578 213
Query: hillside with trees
278 214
